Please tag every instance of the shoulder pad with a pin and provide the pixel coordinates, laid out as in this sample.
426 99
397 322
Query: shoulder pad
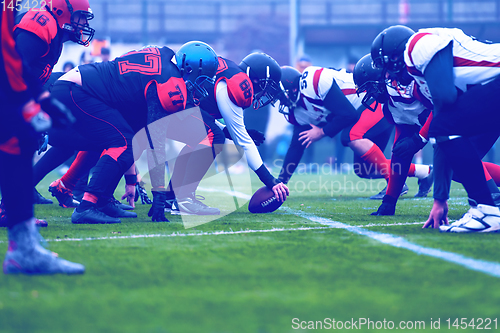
40 23
172 94
240 90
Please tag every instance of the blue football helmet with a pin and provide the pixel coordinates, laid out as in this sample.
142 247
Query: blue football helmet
370 79
265 74
290 80
198 63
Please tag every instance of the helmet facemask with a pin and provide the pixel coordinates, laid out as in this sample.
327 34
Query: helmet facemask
376 90
265 90
195 81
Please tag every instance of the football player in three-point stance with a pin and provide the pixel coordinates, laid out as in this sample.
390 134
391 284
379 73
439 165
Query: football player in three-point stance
411 119
111 102
255 79
18 112
327 104
460 75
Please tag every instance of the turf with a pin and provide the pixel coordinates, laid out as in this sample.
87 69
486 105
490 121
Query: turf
254 282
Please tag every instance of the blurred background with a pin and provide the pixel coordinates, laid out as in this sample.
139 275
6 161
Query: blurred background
327 33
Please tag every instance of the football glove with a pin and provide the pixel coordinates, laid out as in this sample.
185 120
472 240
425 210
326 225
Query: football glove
407 147
157 211
141 192
61 116
257 136
388 206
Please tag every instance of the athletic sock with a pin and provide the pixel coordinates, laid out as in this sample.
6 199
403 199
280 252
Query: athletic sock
89 201
376 157
82 164
419 170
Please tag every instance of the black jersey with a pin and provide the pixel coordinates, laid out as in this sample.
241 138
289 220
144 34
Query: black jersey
44 26
239 88
123 82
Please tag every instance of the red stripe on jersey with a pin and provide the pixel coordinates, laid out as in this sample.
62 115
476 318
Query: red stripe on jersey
414 41
461 62
12 61
317 74
11 146
349 91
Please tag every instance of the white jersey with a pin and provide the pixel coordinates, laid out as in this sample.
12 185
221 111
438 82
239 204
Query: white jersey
233 117
474 62
315 84
404 107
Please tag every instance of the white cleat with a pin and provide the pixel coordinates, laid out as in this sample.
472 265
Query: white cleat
482 218
27 256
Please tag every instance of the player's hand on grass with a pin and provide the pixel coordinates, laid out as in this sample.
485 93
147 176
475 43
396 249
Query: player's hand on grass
157 211
312 135
438 215
281 191
129 195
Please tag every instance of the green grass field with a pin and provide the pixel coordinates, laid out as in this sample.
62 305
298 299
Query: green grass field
181 280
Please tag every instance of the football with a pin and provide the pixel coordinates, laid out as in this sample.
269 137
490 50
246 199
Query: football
263 201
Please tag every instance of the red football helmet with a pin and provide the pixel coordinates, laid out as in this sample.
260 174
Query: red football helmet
74 16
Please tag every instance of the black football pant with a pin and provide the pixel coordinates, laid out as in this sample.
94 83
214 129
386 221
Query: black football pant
17 145
99 128
474 112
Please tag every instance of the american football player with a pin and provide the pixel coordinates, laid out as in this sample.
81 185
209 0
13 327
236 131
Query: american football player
40 34
18 112
138 88
255 81
459 74
323 102
411 118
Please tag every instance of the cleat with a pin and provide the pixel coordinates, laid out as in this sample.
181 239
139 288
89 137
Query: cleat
425 185
113 209
26 256
193 206
380 195
482 218
38 199
41 223
92 216
62 194
122 205
169 206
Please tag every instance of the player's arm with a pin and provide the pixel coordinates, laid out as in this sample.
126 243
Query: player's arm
440 78
293 155
31 48
343 113
233 117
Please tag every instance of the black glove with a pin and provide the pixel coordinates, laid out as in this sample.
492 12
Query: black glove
388 206
61 116
141 192
157 211
257 136
43 142
407 147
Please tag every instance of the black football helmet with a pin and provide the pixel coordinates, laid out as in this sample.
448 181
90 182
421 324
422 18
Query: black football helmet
370 79
197 62
388 48
289 96
265 74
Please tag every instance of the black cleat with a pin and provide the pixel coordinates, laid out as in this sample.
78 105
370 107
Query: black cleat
92 216
122 205
112 208
38 199
425 185
380 195
62 194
